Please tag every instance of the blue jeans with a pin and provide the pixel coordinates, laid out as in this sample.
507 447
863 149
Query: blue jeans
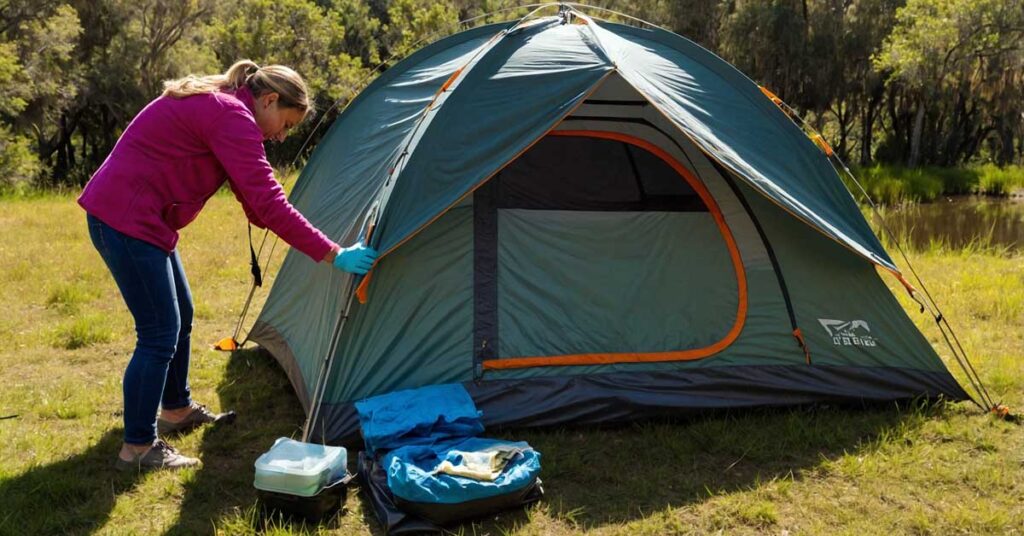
153 285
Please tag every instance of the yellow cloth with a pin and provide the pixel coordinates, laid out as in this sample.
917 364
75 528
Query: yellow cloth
484 465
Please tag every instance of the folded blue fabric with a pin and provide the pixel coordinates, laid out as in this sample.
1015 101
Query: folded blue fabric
422 417
412 476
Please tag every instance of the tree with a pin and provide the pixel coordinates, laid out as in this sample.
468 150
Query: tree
771 42
857 29
303 35
127 49
158 26
411 23
362 30
37 81
946 52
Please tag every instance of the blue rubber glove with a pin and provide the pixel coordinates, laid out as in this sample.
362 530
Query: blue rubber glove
355 259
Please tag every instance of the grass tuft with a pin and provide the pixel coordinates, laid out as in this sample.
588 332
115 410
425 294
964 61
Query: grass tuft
70 297
82 332
760 514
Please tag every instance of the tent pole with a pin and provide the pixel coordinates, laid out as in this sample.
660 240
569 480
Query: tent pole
369 224
325 366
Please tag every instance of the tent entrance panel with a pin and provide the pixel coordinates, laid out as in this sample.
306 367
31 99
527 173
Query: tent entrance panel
605 250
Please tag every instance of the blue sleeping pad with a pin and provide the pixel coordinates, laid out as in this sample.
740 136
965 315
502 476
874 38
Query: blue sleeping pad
411 432
411 473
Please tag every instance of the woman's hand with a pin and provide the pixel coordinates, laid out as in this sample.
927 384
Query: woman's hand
355 259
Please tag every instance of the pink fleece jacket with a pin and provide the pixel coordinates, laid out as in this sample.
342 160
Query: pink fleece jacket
175 155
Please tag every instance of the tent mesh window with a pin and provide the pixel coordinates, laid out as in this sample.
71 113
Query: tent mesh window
580 173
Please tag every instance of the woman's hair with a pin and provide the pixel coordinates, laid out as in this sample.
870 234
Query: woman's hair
260 80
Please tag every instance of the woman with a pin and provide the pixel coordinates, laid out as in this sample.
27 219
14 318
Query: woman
172 157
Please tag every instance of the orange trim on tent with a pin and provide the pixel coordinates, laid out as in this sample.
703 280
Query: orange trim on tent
771 96
649 357
803 344
361 290
906 284
448 83
822 144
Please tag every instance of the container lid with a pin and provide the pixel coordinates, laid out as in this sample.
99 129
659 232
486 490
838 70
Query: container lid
297 458
336 485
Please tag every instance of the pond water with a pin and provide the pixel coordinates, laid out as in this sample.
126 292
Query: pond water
958 221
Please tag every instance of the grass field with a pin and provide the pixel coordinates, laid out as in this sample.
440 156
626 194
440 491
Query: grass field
66 335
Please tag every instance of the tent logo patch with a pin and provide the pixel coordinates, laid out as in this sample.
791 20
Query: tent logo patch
848 332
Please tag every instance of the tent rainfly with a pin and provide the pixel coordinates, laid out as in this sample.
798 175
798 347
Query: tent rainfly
584 222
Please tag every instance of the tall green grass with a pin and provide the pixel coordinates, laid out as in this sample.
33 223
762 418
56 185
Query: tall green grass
994 180
892 185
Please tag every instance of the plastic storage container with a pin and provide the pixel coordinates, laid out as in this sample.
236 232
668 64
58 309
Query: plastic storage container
297 468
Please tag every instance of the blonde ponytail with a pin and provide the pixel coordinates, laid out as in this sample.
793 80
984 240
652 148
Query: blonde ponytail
239 73
279 79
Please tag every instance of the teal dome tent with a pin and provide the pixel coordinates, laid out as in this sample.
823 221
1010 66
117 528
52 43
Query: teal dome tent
583 222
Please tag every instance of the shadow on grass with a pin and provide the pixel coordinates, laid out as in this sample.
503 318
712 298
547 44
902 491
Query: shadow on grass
256 387
595 477
592 476
72 496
